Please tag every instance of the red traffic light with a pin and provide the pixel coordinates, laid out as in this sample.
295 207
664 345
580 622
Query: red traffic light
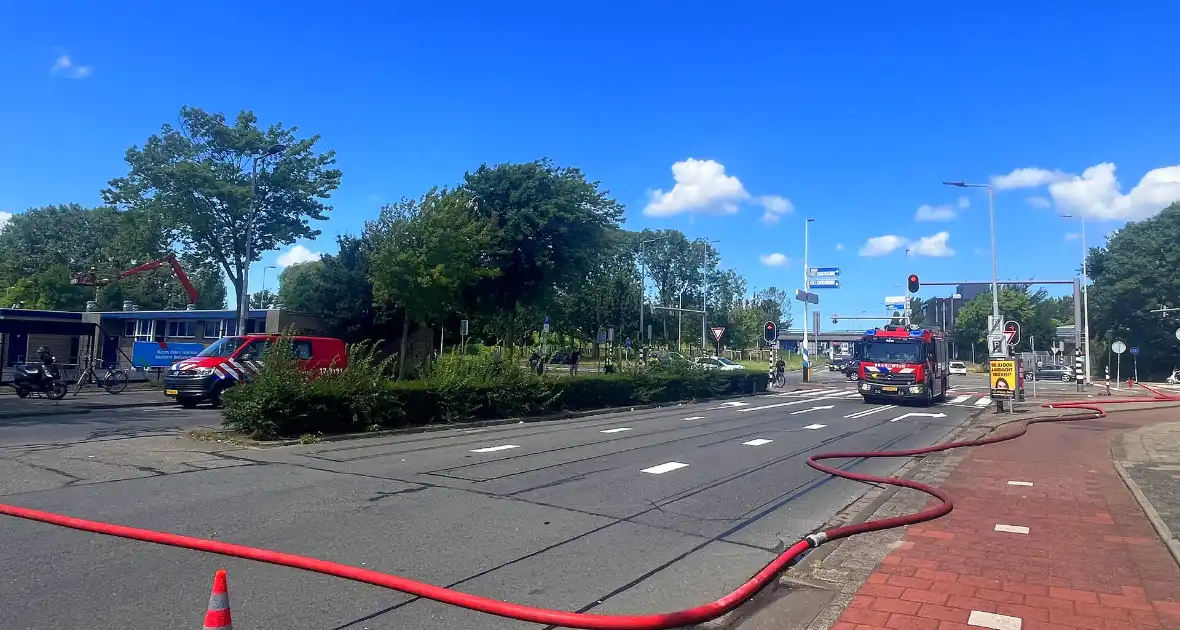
771 332
1011 327
913 283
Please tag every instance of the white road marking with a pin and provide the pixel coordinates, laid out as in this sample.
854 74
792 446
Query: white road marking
694 418
917 415
807 393
1020 483
618 430
493 449
736 403
994 621
983 402
960 399
815 426
869 412
853 395
786 404
795 413
1011 529
757 442
663 468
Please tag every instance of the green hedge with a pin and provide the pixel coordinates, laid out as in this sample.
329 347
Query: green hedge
284 403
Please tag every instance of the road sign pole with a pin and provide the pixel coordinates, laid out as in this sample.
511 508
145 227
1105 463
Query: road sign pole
806 309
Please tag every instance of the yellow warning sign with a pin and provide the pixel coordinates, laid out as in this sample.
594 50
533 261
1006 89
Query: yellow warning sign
1003 378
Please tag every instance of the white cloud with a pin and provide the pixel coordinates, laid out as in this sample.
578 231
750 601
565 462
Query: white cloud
65 67
935 213
775 206
840 246
295 255
1096 193
701 186
4 217
1072 236
934 246
881 245
773 260
1027 178
963 203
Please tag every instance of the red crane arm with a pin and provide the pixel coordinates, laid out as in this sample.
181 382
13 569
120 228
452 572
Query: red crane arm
170 259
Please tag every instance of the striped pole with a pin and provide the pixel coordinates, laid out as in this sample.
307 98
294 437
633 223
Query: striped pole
217 616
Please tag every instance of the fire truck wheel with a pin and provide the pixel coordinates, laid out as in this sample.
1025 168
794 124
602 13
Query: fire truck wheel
945 386
215 398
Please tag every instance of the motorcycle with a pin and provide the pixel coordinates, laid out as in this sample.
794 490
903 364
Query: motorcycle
1174 378
42 379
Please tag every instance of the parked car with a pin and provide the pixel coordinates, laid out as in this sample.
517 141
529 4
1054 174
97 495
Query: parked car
231 360
1050 373
719 363
958 367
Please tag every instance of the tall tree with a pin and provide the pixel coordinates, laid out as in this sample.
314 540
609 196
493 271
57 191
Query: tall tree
197 179
548 223
1132 275
425 254
336 289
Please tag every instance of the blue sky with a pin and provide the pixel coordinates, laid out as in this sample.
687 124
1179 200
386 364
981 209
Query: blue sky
852 115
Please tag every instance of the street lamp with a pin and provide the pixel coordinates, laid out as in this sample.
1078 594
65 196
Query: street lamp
991 213
643 291
264 270
244 304
806 309
705 293
1085 292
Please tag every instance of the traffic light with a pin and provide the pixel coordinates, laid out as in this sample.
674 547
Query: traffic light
835 319
914 285
771 332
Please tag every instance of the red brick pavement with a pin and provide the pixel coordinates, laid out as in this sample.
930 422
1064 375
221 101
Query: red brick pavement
1090 560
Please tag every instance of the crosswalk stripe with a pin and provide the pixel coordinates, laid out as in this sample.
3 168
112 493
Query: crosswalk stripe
960 399
983 402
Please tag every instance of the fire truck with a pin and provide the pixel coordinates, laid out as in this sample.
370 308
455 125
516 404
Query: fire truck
903 362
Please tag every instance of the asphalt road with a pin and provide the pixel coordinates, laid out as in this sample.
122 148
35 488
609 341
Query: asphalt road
631 512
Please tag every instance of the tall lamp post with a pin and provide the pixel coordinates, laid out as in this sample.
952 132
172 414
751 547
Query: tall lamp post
244 304
643 294
705 295
991 214
1085 294
806 308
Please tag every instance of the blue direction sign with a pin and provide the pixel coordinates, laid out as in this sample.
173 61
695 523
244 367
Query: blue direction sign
1134 350
821 272
824 283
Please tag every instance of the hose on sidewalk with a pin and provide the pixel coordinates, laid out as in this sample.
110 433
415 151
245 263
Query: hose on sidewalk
660 621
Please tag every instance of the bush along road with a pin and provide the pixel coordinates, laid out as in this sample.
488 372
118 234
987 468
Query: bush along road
283 401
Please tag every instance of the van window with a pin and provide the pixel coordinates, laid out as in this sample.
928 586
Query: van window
255 350
301 349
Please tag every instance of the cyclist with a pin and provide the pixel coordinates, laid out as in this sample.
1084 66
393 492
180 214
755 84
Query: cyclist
780 369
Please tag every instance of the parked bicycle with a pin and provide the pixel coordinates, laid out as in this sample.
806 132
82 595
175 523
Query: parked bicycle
114 381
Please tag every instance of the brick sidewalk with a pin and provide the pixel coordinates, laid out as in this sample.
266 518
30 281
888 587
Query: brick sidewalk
1045 536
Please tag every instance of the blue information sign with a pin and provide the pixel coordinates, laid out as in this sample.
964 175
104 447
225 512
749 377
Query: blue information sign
152 354
830 272
823 283
1135 350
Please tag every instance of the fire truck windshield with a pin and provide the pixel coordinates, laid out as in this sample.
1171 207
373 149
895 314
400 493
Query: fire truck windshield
893 352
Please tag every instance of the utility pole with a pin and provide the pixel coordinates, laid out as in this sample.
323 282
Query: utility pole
1085 294
244 304
806 308
991 213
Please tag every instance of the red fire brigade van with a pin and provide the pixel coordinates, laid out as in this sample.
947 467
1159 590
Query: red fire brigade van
231 360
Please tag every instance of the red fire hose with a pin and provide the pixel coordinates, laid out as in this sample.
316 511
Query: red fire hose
561 618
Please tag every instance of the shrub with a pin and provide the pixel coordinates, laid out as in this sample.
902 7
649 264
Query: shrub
283 402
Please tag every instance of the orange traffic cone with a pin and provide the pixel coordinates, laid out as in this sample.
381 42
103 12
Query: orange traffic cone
217 616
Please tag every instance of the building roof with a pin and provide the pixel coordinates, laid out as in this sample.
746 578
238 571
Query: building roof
217 314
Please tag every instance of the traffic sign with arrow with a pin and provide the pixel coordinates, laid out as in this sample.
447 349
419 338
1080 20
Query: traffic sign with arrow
823 283
824 271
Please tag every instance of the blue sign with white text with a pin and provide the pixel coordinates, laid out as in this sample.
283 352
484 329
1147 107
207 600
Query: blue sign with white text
824 271
152 354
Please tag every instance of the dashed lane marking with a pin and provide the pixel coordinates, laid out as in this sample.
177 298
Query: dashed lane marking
869 412
757 442
618 430
663 468
1011 529
1020 483
994 621
694 418
493 449
815 426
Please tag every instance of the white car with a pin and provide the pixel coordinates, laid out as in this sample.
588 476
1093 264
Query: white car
719 363
958 367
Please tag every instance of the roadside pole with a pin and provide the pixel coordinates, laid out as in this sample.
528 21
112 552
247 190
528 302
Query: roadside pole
806 308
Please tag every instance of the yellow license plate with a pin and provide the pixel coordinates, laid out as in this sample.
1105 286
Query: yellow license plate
171 392
888 389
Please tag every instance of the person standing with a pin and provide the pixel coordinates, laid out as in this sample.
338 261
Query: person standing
575 356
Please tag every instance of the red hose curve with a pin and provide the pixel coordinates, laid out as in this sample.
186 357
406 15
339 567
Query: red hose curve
561 618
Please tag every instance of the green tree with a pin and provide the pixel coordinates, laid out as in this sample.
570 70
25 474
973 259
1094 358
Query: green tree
336 289
425 254
549 225
1016 304
607 297
196 180
1134 273
263 299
